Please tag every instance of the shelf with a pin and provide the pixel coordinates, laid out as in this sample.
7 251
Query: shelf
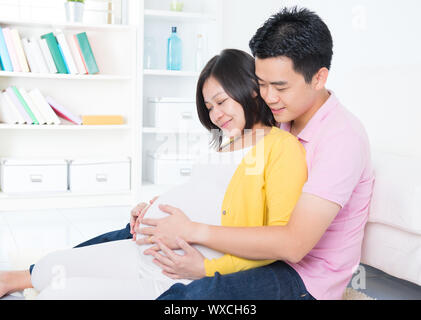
174 131
164 15
4 126
63 76
171 73
12 202
64 25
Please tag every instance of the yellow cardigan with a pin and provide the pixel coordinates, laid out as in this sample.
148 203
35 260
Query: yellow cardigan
262 192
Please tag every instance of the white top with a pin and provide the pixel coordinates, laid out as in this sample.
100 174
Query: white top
200 198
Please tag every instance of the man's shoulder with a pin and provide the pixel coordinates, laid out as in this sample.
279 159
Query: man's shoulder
343 124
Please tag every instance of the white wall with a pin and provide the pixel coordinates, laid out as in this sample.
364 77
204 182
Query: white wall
376 69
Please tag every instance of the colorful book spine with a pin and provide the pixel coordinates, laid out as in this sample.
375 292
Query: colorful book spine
30 55
44 107
12 51
17 42
25 105
46 54
64 58
4 53
76 55
55 52
102 120
66 52
34 108
63 112
14 99
86 53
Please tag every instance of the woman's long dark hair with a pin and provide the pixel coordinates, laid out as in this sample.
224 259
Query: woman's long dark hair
235 71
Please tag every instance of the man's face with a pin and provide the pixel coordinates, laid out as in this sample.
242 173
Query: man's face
284 90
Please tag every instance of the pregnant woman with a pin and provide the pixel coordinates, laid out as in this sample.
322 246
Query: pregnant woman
254 179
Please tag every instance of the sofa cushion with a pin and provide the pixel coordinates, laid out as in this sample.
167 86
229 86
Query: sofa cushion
396 197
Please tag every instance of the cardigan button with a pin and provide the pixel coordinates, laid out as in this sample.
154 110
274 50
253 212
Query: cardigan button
224 212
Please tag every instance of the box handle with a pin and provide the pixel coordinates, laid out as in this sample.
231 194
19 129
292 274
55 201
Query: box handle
185 171
186 115
36 178
101 177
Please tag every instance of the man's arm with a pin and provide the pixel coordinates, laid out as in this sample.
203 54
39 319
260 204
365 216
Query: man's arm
309 221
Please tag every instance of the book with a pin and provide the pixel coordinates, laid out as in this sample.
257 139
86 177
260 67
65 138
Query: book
46 54
30 55
8 114
18 106
39 57
86 53
76 55
11 48
4 54
17 42
44 107
34 108
66 52
25 105
53 46
63 112
102 119
64 58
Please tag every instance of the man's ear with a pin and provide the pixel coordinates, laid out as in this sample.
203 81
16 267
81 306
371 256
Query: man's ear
320 79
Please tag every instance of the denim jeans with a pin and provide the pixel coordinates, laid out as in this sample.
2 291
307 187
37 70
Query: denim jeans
276 281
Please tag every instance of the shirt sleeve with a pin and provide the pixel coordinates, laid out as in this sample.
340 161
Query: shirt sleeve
336 168
285 175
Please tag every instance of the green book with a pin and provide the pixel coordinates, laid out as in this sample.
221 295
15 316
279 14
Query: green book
25 105
86 52
55 52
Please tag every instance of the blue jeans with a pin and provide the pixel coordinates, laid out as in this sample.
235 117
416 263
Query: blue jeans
276 281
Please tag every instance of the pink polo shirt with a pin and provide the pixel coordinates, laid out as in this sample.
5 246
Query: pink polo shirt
339 170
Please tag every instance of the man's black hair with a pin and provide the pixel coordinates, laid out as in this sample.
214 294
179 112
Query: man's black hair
298 34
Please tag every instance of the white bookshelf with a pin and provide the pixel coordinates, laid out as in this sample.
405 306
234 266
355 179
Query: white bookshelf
198 17
85 77
113 91
170 73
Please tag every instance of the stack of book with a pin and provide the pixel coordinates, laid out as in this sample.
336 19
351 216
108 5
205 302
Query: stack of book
19 106
49 53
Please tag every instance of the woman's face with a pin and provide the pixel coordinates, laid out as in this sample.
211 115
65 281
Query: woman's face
226 113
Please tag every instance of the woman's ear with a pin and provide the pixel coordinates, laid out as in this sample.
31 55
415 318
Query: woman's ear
320 78
254 94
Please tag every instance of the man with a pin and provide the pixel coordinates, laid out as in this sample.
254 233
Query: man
320 247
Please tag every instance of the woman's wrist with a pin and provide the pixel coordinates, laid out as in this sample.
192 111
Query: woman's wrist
198 233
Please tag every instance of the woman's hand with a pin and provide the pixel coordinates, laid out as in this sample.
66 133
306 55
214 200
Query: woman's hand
177 224
137 214
188 266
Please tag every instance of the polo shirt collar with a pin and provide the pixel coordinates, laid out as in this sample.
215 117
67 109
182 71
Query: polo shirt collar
314 124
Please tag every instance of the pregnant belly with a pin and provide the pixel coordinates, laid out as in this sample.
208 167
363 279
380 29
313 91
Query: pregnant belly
196 203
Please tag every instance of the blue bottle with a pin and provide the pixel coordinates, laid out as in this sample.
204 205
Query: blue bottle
174 51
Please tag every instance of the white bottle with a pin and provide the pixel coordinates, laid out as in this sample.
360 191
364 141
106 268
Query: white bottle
200 53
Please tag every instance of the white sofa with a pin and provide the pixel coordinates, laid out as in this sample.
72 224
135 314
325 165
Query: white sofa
392 240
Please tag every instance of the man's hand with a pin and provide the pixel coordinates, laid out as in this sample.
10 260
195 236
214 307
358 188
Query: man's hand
137 214
177 224
188 266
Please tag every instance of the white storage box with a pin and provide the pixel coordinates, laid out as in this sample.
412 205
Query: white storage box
168 169
32 176
93 176
172 113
